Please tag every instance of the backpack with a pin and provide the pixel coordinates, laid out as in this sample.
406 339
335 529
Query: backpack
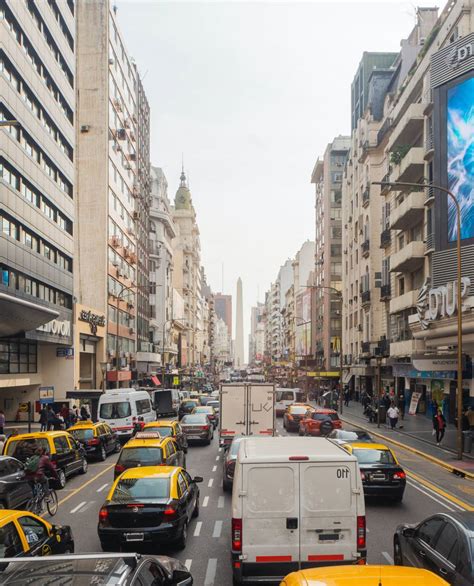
32 464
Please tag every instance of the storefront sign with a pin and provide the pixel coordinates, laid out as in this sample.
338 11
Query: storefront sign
415 399
435 363
440 302
56 327
46 395
461 54
93 319
65 352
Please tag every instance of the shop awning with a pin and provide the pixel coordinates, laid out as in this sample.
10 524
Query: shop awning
84 394
346 377
18 315
155 380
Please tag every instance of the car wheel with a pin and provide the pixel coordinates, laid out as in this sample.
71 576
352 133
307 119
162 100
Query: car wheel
196 508
181 542
118 447
102 454
397 552
61 482
84 467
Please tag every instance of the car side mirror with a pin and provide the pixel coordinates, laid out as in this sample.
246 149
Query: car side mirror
198 479
57 529
181 578
409 532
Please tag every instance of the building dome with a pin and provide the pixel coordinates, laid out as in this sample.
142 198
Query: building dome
182 200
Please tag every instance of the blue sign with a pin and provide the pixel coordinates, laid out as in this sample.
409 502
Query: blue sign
64 352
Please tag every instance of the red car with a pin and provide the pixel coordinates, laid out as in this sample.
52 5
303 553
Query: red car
320 422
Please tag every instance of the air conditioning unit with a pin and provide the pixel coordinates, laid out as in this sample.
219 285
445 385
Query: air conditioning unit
111 61
126 123
115 264
131 330
115 241
120 273
118 104
121 134
135 215
128 167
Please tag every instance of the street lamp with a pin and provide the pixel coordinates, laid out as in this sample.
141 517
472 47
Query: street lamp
424 185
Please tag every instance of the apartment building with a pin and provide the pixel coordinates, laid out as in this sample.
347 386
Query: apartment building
257 335
327 177
37 207
111 197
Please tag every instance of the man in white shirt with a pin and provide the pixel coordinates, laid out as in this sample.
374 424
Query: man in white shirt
392 415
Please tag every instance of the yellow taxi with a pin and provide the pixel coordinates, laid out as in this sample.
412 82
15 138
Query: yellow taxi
149 506
148 448
65 452
169 428
97 439
382 475
363 576
25 534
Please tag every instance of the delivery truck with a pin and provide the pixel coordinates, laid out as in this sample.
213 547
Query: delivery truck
246 409
166 402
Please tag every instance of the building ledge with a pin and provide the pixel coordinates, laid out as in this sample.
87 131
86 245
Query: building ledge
19 315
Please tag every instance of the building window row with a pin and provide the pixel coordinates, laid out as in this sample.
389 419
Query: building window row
118 179
125 345
34 105
123 239
61 23
48 37
17 231
18 281
120 48
31 147
30 193
117 205
116 289
32 55
18 356
119 75
123 266
125 319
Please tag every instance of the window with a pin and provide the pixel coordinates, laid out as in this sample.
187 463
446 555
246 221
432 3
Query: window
33 529
61 445
182 483
10 543
118 410
429 530
447 543
143 405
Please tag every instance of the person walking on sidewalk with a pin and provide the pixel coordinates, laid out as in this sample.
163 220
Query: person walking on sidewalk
439 425
392 415
2 421
470 418
401 404
43 419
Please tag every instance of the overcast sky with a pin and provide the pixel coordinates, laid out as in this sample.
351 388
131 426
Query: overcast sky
252 93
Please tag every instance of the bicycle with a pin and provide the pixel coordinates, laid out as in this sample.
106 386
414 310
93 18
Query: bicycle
43 500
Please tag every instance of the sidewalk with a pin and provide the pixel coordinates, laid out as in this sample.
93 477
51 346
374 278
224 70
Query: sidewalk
416 433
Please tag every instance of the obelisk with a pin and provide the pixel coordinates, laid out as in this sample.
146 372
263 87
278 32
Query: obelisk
239 328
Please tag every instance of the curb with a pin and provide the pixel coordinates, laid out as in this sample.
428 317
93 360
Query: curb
452 469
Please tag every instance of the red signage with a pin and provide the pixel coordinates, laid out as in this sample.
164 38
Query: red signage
120 375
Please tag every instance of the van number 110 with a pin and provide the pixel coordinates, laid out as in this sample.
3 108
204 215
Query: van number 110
342 473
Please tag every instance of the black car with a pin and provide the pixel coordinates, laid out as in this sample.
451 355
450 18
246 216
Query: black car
97 439
124 569
229 463
186 407
15 490
443 544
198 427
347 436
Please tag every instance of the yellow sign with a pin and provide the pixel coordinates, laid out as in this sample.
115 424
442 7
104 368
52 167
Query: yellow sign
324 374
175 381
23 408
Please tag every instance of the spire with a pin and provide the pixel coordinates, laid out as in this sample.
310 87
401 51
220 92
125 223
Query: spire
183 174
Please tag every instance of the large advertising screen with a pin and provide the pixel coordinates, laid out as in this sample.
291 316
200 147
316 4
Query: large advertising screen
460 156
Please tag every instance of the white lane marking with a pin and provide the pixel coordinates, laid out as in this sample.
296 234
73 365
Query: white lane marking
79 506
217 529
214 468
220 502
388 557
439 501
102 487
217 458
197 531
220 450
211 482
87 507
367 530
210 572
188 563
205 501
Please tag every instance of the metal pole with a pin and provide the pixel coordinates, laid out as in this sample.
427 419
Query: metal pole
378 391
117 342
340 365
29 416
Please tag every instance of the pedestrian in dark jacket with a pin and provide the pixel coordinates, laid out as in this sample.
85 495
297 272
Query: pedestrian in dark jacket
43 419
439 425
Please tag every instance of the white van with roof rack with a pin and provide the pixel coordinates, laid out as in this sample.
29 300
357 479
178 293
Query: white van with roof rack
296 503
121 408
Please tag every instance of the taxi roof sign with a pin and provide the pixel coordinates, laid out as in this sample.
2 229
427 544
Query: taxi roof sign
147 435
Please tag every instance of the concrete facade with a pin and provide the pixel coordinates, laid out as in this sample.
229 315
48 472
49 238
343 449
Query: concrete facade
239 359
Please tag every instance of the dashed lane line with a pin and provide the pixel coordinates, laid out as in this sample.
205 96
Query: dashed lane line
79 506
210 572
217 529
197 530
188 563
214 468
205 501
217 458
388 557
220 502
102 487
210 483
219 450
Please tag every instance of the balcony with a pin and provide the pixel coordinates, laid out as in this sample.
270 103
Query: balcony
405 301
386 126
366 197
385 189
430 195
385 238
409 212
365 297
405 348
365 349
429 243
429 145
148 357
411 167
382 348
365 248
385 292
408 128
409 258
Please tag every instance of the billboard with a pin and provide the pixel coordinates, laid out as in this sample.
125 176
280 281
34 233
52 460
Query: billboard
460 156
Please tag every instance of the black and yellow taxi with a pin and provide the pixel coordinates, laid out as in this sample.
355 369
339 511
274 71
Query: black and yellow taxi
169 428
382 475
97 439
149 506
65 452
148 448
25 534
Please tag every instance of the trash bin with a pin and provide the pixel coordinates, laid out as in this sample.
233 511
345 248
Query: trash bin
467 437
383 413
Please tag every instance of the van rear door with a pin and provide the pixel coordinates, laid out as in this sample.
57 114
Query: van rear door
328 512
270 518
232 412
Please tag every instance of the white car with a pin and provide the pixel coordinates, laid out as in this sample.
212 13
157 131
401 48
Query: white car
121 408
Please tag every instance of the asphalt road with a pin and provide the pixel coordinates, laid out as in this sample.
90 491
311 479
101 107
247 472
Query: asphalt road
207 553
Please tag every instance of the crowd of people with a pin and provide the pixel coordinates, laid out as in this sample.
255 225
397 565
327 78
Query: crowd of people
62 419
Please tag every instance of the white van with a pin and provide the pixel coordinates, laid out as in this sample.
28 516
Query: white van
121 408
297 502
286 397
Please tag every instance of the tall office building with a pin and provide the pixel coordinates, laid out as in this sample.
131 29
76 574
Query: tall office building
37 61
223 307
239 327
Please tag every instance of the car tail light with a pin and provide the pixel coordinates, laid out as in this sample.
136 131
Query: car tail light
236 534
93 442
205 427
134 419
103 516
361 532
399 476
290 416
362 475
119 468
169 512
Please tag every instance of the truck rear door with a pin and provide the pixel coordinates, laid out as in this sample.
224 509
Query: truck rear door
232 416
261 409
328 512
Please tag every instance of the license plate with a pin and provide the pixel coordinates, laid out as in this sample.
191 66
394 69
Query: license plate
134 536
329 537
194 437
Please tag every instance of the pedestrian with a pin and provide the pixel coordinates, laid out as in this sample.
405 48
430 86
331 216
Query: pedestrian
401 405
439 426
392 415
2 421
85 415
469 414
77 413
3 439
51 418
65 415
43 418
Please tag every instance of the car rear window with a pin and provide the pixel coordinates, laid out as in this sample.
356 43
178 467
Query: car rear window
349 435
198 418
321 416
298 410
117 410
22 449
189 403
131 489
83 434
374 456
161 429
142 455
204 410
213 404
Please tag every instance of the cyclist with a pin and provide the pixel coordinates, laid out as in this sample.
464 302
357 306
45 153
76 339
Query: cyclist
36 468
